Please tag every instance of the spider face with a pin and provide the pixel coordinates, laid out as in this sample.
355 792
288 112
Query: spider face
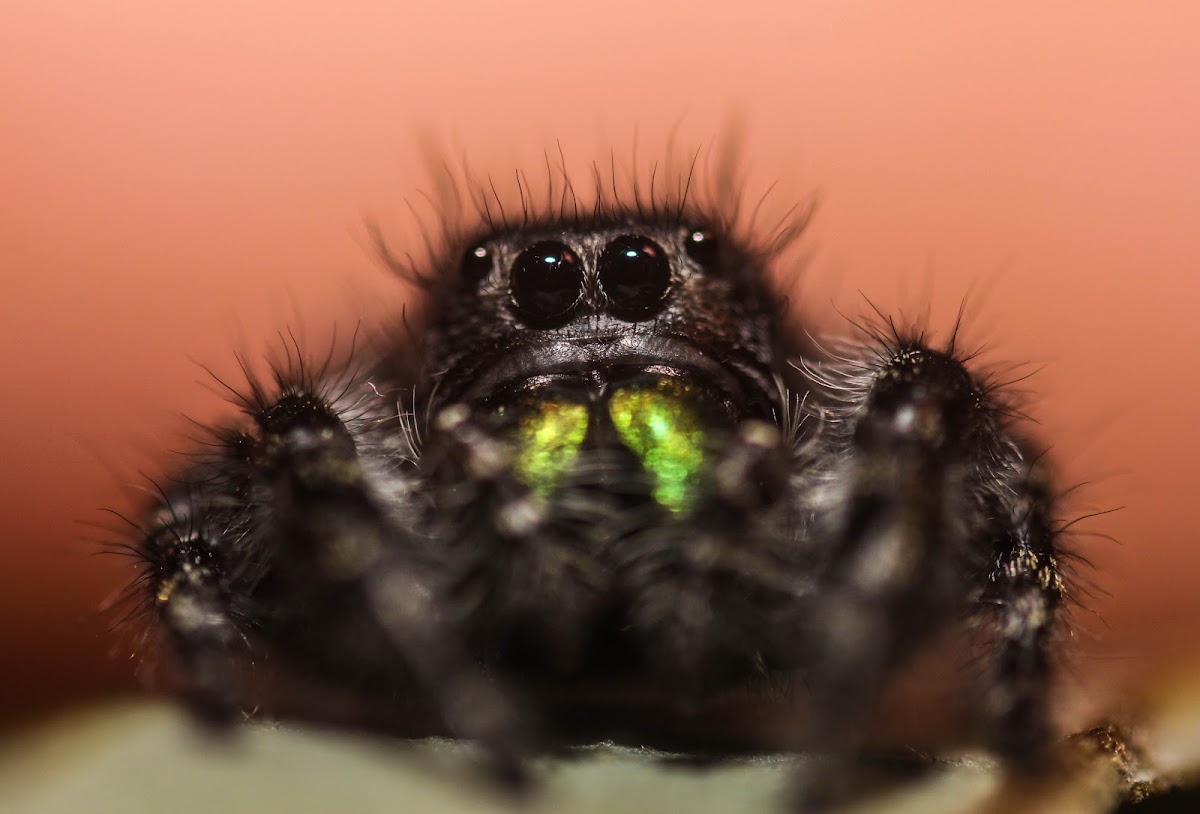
617 477
616 339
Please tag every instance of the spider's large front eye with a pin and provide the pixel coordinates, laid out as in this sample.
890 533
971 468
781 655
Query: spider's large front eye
635 275
546 284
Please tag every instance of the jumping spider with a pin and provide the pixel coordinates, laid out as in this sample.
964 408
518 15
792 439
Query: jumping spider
620 469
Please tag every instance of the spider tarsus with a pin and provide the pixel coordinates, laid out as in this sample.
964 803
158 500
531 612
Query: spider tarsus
1022 601
190 596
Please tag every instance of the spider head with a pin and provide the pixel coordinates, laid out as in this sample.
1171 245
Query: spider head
607 303
641 339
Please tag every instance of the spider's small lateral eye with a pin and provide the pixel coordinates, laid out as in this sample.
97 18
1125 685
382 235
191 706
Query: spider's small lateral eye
546 284
703 246
635 275
476 263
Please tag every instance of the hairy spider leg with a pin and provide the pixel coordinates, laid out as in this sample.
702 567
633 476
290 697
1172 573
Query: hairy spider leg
323 567
932 516
1019 609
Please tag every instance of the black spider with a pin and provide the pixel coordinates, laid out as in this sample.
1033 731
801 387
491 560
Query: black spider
619 475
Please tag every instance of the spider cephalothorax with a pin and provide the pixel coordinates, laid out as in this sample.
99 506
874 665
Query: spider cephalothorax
613 475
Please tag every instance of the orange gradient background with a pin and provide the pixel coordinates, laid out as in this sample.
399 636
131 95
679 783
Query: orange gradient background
179 180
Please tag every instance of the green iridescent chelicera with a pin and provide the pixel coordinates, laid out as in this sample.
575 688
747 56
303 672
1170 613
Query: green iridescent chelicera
660 423
657 421
548 437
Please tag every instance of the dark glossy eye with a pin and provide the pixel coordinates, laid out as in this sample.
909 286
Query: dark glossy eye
476 263
703 247
546 284
635 275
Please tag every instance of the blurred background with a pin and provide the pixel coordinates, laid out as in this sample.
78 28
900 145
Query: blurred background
183 180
